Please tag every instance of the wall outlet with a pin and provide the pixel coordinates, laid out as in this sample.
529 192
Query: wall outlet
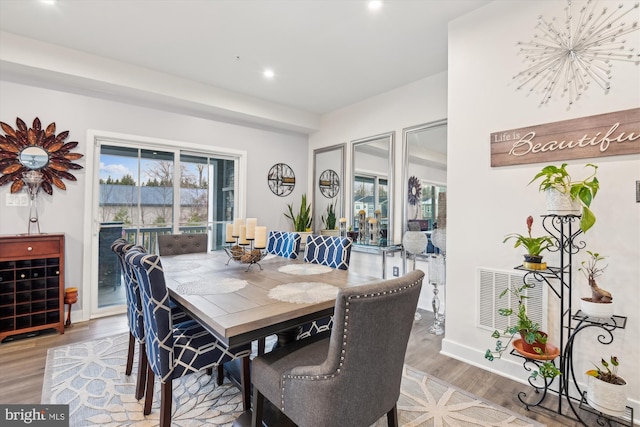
396 271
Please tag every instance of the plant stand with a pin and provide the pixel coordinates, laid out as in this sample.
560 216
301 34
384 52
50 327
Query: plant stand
559 280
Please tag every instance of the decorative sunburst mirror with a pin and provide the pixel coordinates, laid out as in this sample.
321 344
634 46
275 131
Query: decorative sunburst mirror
23 150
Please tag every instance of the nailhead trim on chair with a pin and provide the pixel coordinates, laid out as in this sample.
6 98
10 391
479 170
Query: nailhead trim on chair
344 342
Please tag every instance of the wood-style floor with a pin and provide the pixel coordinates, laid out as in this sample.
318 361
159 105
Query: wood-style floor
22 364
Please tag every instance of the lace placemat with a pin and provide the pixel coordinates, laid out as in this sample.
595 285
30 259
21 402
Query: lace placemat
208 287
179 266
305 269
304 292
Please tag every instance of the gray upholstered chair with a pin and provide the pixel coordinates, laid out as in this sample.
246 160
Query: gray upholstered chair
179 244
352 376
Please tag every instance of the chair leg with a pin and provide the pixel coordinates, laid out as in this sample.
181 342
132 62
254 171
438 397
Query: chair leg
166 392
220 377
209 371
257 407
392 416
245 380
142 371
132 347
148 399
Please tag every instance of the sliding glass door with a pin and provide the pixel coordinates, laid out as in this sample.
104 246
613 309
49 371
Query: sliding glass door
146 191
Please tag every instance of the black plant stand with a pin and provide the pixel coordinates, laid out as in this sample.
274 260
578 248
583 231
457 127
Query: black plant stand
559 280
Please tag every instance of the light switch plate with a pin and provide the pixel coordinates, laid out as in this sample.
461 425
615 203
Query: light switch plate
11 199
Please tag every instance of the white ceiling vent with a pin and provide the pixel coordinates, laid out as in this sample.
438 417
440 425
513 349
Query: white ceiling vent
491 283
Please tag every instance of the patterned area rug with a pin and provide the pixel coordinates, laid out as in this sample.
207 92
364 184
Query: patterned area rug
89 377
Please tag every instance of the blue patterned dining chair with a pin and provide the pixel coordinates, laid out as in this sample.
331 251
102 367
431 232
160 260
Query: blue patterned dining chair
134 314
333 379
333 252
284 244
175 350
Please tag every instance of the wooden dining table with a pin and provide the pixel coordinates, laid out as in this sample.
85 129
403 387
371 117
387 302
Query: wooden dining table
240 303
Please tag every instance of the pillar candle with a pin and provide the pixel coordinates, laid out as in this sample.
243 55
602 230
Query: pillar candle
261 237
251 228
243 235
236 226
230 238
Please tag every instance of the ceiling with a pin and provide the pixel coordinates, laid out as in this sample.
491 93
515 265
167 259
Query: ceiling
325 54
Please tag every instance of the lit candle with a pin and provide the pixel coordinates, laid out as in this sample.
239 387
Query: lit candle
261 237
230 238
236 226
243 235
251 228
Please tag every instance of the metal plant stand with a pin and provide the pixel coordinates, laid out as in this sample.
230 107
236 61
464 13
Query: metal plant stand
559 280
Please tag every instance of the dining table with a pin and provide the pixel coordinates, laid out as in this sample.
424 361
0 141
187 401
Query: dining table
241 302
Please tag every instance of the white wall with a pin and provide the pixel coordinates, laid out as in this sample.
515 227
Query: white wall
64 211
486 203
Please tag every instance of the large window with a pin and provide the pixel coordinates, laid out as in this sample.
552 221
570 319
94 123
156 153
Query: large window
144 192
370 193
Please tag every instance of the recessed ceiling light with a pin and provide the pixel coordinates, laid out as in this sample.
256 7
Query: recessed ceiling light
375 4
49 1
268 73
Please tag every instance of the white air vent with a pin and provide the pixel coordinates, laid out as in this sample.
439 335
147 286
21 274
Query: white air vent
492 283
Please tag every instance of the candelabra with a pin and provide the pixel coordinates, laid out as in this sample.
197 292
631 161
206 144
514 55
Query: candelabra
32 179
436 278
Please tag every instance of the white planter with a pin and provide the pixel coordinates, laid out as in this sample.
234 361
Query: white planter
561 203
601 310
326 232
303 239
605 397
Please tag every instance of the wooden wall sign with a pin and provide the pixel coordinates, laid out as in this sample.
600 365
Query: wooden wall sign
609 134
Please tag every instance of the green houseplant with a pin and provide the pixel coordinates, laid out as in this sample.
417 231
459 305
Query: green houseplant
583 192
533 245
330 220
533 342
301 220
600 304
606 390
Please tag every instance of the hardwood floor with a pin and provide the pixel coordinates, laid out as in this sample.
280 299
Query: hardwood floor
23 363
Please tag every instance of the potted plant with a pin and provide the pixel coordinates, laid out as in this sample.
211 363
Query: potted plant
600 304
533 245
557 183
352 234
606 390
329 222
532 343
301 220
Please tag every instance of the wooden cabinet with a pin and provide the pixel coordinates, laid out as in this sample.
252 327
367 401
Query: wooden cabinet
31 283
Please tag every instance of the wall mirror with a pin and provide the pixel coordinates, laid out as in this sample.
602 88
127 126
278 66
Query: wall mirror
34 157
425 177
328 184
372 182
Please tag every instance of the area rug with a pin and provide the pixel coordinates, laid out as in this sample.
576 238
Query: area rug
89 377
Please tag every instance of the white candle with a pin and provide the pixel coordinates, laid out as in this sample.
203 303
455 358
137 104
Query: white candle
230 238
251 227
343 219
261 237
243 235
236 226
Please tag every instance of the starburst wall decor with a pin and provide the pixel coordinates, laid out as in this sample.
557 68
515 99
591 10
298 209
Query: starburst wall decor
36 156
566 56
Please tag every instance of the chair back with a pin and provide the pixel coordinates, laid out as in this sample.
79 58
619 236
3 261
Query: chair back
332 251
361 376
178 244
284 244
132 290
156 308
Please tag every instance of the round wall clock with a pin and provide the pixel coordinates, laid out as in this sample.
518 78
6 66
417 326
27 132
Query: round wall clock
281 179
415 190
329 183
36 151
